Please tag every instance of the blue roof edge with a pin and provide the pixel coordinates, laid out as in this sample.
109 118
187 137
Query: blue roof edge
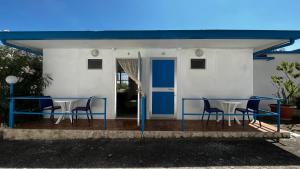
150 34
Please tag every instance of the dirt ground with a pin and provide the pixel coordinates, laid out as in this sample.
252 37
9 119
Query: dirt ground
184 153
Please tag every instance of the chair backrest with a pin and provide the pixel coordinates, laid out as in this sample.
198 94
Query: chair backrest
89 102
206 104
45 101
253 103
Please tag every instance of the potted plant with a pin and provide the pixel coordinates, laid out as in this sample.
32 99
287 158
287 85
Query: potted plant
287 89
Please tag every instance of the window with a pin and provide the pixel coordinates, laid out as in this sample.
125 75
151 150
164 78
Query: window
122 80
198 63
94 63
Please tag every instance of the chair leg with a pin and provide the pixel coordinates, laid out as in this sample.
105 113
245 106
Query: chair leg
76 115
202 115
87 115
208 118
52 116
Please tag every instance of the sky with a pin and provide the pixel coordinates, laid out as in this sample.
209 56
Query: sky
41 15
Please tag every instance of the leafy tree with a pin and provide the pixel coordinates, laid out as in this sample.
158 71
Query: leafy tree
28 68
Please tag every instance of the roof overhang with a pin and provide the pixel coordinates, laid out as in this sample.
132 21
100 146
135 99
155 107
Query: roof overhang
255 39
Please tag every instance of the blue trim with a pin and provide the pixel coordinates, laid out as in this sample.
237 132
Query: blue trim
143 114
182 114
55 113
37 52
11 121
151 34
263 58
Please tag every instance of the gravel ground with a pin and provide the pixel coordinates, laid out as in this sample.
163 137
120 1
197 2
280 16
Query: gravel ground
193 153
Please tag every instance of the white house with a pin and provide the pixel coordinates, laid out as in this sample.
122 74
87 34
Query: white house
174 64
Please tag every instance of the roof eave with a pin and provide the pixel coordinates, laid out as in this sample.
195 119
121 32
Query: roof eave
151 34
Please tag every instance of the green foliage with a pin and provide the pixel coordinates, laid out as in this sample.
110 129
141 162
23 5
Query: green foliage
27 67
122 86
286 85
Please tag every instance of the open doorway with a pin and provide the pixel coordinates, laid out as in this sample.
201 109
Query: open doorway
126 94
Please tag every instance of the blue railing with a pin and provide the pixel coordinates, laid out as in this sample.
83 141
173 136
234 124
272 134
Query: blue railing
265 112
13 112
143 113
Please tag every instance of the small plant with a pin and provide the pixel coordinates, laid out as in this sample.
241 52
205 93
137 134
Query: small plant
286 86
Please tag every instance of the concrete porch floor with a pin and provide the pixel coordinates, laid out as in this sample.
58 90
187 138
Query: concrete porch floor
126 128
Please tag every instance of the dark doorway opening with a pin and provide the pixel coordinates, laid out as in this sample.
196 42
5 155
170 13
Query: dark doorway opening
126 94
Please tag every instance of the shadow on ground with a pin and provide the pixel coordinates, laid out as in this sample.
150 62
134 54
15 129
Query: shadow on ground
146 153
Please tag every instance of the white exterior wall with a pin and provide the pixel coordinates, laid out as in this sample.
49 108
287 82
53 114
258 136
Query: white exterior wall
263 70
228 73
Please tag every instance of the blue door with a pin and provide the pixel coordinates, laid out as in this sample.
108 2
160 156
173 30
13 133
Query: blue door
163 83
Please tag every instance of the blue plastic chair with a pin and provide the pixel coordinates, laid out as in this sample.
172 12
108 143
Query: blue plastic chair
252 107
46 103
210 110
86 108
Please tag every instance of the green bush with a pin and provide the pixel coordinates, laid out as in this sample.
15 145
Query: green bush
28 68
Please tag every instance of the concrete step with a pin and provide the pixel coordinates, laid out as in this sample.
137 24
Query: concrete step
58 134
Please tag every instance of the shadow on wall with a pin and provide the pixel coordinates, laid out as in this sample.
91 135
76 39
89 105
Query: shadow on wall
146 153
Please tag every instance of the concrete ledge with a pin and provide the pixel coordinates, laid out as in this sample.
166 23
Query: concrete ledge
51 134
214 134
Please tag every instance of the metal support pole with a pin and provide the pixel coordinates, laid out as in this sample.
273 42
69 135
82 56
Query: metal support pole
105 113
11 122
278 115
143 115
182 115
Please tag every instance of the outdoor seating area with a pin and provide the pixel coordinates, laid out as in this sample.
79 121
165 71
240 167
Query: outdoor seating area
59 108
230 109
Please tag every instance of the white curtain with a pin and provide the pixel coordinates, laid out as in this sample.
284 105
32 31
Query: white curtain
130 66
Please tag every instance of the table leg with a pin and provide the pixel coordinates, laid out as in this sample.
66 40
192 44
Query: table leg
61 116
235 117
69 110
228 111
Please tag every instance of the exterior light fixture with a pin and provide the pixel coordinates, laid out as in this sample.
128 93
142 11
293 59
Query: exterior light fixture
11 79
95 52
199 52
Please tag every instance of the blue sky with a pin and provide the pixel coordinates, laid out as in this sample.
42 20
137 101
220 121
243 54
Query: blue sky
24 15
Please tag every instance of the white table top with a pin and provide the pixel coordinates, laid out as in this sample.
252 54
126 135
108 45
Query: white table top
231 102
64 100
